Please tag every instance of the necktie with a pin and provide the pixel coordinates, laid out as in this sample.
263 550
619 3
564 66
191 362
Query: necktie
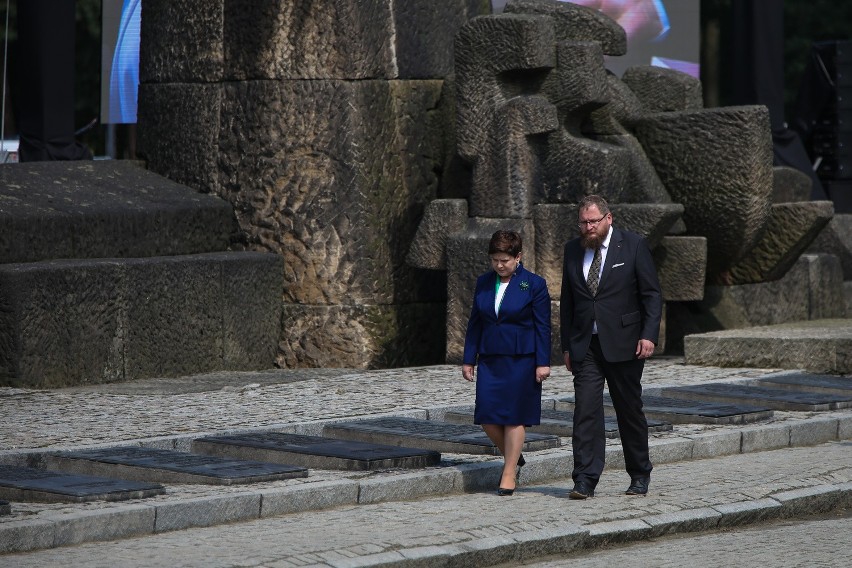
594 273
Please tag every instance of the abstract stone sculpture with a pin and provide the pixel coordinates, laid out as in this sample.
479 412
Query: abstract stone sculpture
698 183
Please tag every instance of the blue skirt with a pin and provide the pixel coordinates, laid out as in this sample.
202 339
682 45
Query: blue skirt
506 391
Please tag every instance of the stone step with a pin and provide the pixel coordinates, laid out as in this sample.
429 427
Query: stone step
105 209
315 451
69 322
778 399
429 434
5 507
556 422
818 346
136 463
27 484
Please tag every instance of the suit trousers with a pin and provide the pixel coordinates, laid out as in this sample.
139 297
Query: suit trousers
589 438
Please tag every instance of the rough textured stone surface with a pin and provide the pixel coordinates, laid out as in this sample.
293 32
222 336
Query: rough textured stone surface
442 218
825 290
183 41
619 115
102 209
210 41
493 117
642 184
681 262
836 239
342 210
789 185
179 132
812 289
717 160
555 225
92 321
820 346
664 90
467 258
576 23
347 336
789 231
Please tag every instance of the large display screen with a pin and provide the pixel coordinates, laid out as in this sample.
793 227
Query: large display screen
120 60
664 33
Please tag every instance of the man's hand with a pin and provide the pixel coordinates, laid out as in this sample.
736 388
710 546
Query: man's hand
567 359
541 374
644 349
467 372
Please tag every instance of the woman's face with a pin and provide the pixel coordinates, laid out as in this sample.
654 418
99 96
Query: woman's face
504 264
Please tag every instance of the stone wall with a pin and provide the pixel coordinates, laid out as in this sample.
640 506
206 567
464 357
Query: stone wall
326 126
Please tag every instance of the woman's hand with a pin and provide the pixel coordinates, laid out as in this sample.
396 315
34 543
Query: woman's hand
467 372
541 374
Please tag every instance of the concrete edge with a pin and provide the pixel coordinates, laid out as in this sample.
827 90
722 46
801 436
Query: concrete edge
50 531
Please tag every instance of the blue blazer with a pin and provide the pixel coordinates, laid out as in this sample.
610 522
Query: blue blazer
522 326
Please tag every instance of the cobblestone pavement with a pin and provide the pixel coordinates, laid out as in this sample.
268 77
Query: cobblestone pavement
813 543
426 516
105 414
482 524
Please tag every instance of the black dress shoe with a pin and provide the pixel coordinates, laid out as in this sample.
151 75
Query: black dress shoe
638 486
504 492
581 491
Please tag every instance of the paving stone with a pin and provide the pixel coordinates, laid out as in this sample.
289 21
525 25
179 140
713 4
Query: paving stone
748 512
810 500
165 466
316 451
815 431
206 511
30 484
427 434
308 497
712 444
692 520
126 521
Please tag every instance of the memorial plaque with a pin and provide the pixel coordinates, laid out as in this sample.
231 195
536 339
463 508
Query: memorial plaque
808 382
166 466
777 399
557 422
30 484
430 434
5 507
683 411
316 451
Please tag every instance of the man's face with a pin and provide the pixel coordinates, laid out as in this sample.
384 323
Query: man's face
593 226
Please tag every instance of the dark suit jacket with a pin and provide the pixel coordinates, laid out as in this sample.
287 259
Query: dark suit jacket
521 328
628 306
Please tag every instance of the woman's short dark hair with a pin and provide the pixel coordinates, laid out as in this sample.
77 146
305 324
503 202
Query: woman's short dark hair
508 242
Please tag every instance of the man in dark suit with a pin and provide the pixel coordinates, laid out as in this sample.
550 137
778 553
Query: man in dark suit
610 312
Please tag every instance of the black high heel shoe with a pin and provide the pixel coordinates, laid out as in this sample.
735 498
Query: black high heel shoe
504 492
521 463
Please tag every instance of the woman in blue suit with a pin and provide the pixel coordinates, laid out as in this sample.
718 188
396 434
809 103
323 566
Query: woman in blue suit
508 340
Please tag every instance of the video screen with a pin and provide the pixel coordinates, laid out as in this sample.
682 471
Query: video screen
664 33
120 60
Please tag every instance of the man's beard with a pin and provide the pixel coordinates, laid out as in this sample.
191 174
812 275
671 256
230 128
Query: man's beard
592 240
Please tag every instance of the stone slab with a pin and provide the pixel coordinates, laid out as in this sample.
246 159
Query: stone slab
682 411
817 345
68 322
104 209
167 466
808 382
316 451
429 434
30 484
556 422
5 507
778 399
